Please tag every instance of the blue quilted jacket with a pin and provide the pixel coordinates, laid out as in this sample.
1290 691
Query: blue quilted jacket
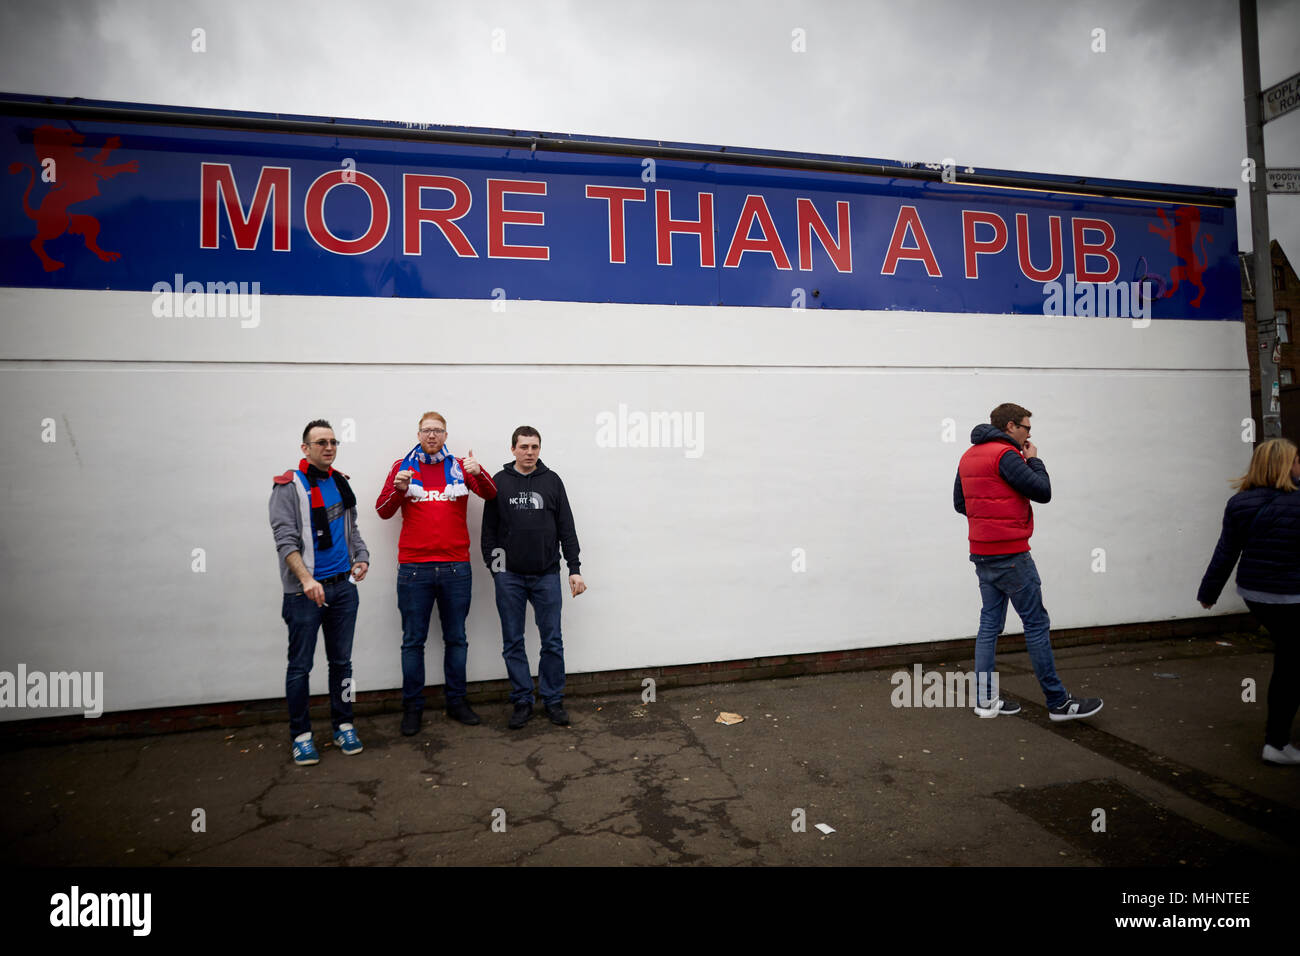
1262 527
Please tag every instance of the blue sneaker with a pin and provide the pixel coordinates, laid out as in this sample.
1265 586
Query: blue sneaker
346 739
304 753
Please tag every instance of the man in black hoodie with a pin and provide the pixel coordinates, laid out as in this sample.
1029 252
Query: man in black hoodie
524 528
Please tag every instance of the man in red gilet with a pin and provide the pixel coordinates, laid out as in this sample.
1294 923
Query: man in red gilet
997 478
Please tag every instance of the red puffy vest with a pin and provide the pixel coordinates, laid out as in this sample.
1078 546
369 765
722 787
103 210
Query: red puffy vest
1001 519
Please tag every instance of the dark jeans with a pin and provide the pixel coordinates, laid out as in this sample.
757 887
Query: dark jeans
305 619
1283 623
1014 578
419 587
514 593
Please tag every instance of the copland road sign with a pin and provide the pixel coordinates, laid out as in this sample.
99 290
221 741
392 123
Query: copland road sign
1282 98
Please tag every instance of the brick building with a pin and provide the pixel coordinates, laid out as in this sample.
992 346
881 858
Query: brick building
1286 305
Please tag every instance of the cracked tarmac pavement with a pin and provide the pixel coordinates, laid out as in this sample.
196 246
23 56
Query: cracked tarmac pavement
1172 762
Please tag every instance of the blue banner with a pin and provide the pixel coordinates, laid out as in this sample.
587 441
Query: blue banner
137 206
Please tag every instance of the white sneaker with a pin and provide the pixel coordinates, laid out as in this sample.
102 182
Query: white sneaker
1289 754
999 706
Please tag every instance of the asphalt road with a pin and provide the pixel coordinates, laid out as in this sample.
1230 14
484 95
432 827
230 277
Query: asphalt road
1168 774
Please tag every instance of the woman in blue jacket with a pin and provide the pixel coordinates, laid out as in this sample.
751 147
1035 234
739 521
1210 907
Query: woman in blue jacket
1261 524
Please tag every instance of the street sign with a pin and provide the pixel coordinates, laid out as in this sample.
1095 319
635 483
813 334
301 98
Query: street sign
1284 180
1282 98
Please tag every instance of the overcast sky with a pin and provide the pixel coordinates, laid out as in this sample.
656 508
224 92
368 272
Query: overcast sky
1008 84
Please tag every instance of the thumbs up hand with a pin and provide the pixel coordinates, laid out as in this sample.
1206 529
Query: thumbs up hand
470 463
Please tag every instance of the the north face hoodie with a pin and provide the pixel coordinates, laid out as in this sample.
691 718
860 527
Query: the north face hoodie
529 520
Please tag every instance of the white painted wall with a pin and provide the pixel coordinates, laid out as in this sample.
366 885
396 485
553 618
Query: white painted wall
822 431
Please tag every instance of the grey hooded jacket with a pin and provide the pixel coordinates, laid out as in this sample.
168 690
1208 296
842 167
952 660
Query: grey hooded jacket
290 509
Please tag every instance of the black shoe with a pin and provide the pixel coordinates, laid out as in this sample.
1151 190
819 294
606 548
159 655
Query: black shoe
1075 708
411 722
559 716
460 710
522 715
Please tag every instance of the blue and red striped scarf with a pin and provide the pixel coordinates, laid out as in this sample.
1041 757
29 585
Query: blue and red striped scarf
453 477
309 475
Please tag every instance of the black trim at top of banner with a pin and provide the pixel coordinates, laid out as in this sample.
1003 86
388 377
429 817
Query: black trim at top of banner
532 142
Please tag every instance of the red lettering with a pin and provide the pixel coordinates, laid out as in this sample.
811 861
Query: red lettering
841 252
974 247
615 197
314 209
666 227
499 217
414 215
217 190
1084 249
909 220
755 209
1053 271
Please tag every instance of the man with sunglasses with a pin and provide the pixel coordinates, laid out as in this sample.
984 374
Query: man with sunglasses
996 479
314 521
430 487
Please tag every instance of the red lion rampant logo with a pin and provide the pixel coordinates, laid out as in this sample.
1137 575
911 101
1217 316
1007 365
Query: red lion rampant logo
1181 236
76 179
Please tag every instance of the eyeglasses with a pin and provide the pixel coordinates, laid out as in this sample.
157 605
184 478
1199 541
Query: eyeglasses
324 442
1025 427
433 431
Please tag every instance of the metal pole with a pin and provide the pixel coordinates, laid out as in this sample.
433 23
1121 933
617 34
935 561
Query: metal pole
1265 319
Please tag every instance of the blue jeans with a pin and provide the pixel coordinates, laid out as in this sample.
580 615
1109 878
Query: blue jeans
1013 577
514 593
305 619
419 587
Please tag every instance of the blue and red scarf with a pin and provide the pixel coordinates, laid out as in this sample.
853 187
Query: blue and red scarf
452 476
309 475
